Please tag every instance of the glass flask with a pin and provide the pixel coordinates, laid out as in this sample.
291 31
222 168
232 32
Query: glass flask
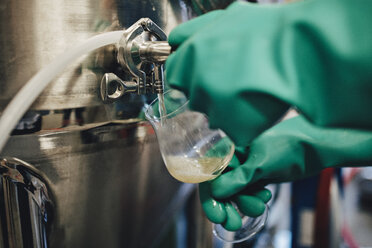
194 153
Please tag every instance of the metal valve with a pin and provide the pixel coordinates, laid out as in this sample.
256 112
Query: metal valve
142 51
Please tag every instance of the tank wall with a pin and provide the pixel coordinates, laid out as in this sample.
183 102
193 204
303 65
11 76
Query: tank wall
35 32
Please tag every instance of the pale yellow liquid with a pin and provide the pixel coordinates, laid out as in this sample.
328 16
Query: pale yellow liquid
191 170
195 170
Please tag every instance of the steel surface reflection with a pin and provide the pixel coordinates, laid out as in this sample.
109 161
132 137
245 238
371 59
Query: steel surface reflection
33 33
26 206
90 185
110 184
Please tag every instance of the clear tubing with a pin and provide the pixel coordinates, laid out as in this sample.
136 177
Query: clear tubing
31 90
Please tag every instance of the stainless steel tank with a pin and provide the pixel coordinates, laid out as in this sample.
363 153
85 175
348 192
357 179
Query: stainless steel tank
101 182
35 32
104 186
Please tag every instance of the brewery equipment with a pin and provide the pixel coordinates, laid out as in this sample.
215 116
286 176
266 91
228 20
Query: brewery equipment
100 183
94 185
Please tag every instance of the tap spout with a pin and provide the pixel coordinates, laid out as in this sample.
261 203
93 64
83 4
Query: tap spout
154 51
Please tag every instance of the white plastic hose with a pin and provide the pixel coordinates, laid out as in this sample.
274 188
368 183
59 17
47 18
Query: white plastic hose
31 90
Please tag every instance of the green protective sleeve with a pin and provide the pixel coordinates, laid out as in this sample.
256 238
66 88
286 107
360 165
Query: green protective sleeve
295 149
246 65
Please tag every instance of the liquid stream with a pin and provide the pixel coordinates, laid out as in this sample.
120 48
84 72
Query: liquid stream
162 109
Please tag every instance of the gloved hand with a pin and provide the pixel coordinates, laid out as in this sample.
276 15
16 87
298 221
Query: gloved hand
291 150
250 202
245 65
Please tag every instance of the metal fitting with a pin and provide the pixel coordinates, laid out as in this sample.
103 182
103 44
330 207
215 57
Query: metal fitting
142 51
154 51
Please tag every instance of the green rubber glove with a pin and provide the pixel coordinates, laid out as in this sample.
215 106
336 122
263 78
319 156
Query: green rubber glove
251 202
294 149
244 66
